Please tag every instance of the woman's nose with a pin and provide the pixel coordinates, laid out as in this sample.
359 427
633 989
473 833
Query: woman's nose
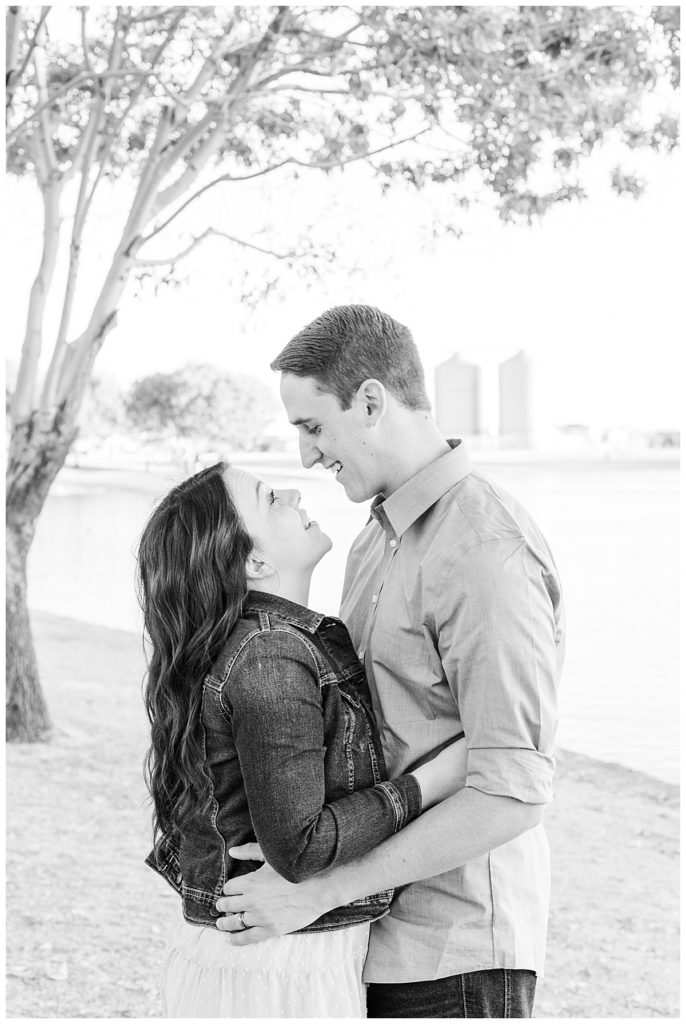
292 497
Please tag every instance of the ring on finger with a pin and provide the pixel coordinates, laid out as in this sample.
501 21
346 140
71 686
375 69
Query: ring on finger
241 917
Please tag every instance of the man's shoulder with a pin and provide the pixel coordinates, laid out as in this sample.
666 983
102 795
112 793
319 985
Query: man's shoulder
475 510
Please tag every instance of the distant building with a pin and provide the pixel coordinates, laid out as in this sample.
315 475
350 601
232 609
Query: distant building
458 397
517 425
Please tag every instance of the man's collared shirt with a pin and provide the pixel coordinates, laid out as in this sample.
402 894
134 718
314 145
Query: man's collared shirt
453 602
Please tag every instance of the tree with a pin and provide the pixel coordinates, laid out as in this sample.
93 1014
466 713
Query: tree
203 405
154 97
102 411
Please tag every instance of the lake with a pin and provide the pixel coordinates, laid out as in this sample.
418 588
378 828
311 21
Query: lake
612 526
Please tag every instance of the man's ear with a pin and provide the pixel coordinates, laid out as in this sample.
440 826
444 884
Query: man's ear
373 400
257 568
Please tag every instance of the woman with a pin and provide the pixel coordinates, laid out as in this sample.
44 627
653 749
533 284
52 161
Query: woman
262 730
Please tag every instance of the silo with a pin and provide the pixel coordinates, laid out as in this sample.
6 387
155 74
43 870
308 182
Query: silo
458 397
516 401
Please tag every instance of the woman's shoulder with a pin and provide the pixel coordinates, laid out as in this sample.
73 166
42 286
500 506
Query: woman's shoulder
255 644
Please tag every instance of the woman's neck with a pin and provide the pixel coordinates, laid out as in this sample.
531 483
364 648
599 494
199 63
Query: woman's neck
294 588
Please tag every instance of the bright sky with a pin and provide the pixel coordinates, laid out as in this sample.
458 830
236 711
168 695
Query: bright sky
591 293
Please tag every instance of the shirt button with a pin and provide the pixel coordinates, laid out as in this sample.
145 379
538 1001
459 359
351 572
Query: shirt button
393 543
375 598
360 654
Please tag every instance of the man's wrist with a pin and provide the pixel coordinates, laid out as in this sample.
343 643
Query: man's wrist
324 892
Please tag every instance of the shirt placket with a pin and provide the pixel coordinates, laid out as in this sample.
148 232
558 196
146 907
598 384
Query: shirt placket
391 547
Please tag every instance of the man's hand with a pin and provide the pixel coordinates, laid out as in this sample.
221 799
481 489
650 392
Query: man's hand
272 906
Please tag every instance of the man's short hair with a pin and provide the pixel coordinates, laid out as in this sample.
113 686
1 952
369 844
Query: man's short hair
348 344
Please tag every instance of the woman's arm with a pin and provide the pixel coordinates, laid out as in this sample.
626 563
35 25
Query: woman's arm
274 699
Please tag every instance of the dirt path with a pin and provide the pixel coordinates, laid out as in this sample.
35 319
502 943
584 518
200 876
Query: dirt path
86 919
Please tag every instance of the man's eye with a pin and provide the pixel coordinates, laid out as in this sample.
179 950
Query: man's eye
314 430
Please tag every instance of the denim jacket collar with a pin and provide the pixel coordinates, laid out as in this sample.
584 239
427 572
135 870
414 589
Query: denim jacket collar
296 614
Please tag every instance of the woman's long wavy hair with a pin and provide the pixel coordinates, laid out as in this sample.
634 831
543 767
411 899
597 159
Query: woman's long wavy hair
192 585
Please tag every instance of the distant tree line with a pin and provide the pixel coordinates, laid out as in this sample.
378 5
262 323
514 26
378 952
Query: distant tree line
197 403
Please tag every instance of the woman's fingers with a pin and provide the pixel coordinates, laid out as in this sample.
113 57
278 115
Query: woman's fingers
233 923
240 934
230 904
248 851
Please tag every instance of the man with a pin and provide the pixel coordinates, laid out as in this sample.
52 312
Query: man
452 599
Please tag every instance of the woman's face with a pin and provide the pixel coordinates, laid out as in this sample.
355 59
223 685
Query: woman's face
282 533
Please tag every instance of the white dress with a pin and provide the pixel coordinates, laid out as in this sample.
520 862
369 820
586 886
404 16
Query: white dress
318 974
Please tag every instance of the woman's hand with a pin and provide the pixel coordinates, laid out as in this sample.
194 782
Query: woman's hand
444 775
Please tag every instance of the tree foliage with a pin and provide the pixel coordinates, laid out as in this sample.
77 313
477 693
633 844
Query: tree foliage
204 405
172 102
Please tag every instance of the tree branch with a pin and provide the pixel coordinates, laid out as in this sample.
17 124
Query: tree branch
205 188
83 76
133 99
320 166
93 133
45 129
22 401
12 77
170 261
194 167
84 45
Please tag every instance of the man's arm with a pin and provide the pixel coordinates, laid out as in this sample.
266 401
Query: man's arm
462 828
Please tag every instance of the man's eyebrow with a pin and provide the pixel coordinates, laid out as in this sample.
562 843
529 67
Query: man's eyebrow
257 489
299 422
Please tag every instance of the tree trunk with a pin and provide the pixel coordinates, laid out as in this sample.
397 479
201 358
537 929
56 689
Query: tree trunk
38 449
27 719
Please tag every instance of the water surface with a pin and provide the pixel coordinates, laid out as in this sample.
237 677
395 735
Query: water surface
612 526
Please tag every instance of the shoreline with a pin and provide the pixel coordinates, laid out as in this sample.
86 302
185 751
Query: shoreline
563 754
156 478
88 920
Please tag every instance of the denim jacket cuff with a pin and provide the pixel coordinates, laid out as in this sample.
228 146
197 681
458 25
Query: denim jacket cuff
406 798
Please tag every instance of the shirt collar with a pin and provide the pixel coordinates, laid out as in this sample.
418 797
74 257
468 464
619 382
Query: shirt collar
402 508
296 614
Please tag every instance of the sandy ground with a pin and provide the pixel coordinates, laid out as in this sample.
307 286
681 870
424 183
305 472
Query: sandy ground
86 919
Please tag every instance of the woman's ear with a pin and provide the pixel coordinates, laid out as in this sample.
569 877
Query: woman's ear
372 398
257 568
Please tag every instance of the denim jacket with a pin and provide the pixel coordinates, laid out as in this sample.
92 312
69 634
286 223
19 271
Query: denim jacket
294 760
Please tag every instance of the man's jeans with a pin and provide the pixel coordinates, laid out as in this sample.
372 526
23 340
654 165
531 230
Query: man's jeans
495 993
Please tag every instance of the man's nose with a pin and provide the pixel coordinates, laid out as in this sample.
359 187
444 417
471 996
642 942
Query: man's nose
309 453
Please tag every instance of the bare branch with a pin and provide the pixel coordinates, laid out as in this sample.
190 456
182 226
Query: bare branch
194 167
172 260
175 151
84 45
320 166
45 138
206 188
141 18
12 76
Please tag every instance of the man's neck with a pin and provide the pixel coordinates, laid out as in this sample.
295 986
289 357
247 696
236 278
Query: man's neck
417 443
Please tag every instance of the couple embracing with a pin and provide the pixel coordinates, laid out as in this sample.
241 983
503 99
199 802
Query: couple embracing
351 808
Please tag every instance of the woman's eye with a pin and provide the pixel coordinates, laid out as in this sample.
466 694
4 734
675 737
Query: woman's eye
314 430
272 497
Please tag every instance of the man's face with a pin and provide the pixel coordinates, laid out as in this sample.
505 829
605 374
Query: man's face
338 439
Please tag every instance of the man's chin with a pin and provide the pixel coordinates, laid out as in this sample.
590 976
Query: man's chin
357 494
355 490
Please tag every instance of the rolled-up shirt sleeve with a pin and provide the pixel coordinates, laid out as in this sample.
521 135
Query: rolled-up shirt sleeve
498 637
